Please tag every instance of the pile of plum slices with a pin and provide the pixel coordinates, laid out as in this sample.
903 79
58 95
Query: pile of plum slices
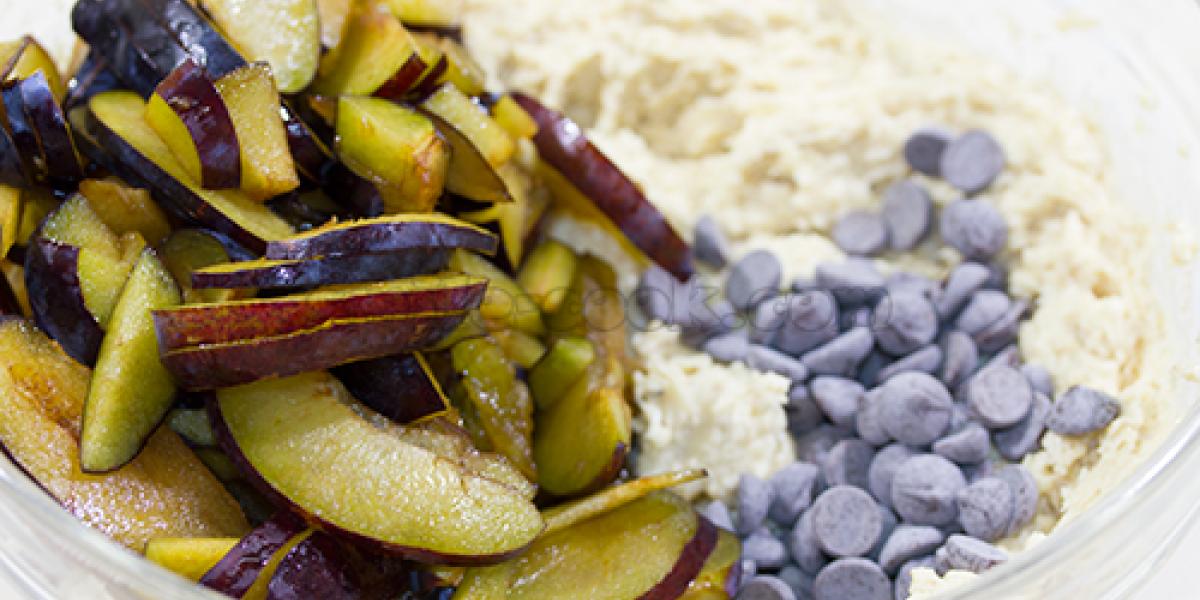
279 314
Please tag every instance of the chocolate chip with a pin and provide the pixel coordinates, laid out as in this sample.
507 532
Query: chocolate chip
924 148
852 282
1025 494
972 161
967 446
1002 331
924 360
1081 410
812 320
845 521
800 582
852 579
999 396
985 508
1039 378
768 318
754 497
813 446
753 279
847 463
708 321
1026 436
985 308
905 281
709 244
924 490
861 233
837 397
961 358
916 408
765 587
793 492
731 347
767 552
659 294
718 514
889 523
841 355
908 542
966 279
802 542
907 214
802 412
903 322
868 421
883 469
770 360
974 228
969 554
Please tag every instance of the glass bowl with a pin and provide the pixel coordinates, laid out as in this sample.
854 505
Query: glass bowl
1136 73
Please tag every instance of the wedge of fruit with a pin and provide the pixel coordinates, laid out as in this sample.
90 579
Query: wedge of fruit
509 115
282 274
434 58
363 477
124 208
247 561
401 387
219 323
395 148
284 33
74 272
495 405
580 443
13 170
649 548
164 492
24 57
315 568
570 514
390 233
429 13
131 391
461 68
547 274
266 161
189 250
10 217
91 77
189 558
121 139
506 304
520 348
40 131
565 363
563 145
332 14
374 52
478 145
719 577
188 113
36 203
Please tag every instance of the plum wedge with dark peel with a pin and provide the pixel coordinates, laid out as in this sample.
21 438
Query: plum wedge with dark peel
375 55
24 57
395 148
366 479
130 392
478 145
54 138
237 571
120 139
189 558
284 33
188 250
563 145
245 320
650 548
282 274
314 568
164 492
267 167
721 573
494 403
187 112
390 233
401 387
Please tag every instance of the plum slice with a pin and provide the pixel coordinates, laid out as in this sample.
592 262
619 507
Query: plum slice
495 405
505 305
92 77
572 513
391 233
121 140
367 479
522 349
189 558
22 58
721 573
395 148
131 391
375 55
74 271
124 208
188 250
428 13
242 320
10 217
479 145
358 268
401 387
314 568
266 161
564 146
237 571
509 115
164 492
650 548
564 364
188 113
284 33
54 139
